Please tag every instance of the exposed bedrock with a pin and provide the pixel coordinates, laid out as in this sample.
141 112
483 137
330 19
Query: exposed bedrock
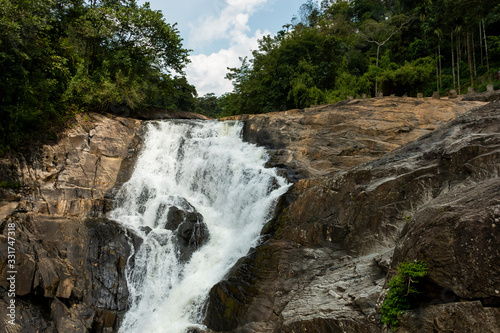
320 140
70 262
328 256
188 226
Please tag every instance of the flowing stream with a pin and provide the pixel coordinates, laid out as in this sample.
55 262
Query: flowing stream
191 176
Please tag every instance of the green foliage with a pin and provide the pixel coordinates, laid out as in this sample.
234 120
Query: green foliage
210 106
410 78
348 48
57 56
402 287
10 185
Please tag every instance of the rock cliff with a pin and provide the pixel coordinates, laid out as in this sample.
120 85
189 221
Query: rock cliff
69 263
359 205
320 140
69 259
327 258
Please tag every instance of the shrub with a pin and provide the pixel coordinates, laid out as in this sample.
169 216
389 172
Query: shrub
401 287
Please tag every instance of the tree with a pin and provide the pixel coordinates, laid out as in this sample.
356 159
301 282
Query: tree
124 47
339 48
59 56
379 33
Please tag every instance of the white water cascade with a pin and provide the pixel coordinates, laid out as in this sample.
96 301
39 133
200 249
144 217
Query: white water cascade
199 167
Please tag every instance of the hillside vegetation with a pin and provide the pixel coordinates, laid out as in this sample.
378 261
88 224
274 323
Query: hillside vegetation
336 48
58 57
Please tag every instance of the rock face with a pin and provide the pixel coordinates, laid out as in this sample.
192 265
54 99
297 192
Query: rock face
359 205
320 140
189 228
69 262
327 258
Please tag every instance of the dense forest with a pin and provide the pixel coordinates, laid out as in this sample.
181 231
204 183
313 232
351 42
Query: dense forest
337 48
61 57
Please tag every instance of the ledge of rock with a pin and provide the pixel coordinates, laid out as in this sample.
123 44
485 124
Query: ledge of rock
70 266
324 139
327 257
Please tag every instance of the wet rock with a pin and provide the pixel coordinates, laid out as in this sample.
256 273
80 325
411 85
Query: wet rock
464 317
324 266
109 247
145 229
187 224
191 235
194 234
175 217
183 211
330 138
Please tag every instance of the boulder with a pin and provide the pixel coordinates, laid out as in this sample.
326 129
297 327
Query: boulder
191 236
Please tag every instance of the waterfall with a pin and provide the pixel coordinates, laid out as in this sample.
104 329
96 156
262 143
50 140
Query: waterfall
199 197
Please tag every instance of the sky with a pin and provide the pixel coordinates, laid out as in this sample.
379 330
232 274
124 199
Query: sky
219 32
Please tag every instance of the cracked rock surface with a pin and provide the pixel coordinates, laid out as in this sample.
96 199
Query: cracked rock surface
70 262
327 257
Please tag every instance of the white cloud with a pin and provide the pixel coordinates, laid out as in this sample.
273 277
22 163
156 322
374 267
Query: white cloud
207 72
233 17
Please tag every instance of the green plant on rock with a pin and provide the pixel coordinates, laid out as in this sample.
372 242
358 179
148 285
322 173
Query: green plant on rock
10 185
401 287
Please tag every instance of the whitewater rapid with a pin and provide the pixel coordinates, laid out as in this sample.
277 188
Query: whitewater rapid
203 167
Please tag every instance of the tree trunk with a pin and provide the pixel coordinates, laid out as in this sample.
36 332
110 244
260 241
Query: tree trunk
486 47
437 72
453 63
458 64
469 59
474 55
376 77
481 42
440 68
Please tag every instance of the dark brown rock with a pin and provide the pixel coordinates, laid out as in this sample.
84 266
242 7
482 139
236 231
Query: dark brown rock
324 266
320 140
108 250
457 236
466 317
65 320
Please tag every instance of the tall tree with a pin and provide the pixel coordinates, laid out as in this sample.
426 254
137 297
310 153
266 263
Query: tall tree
58 56
379 33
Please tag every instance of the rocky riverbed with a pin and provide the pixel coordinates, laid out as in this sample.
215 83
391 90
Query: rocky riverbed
375 182
340 235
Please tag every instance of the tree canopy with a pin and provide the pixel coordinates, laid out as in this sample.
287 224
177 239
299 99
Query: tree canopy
335 49
61 56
